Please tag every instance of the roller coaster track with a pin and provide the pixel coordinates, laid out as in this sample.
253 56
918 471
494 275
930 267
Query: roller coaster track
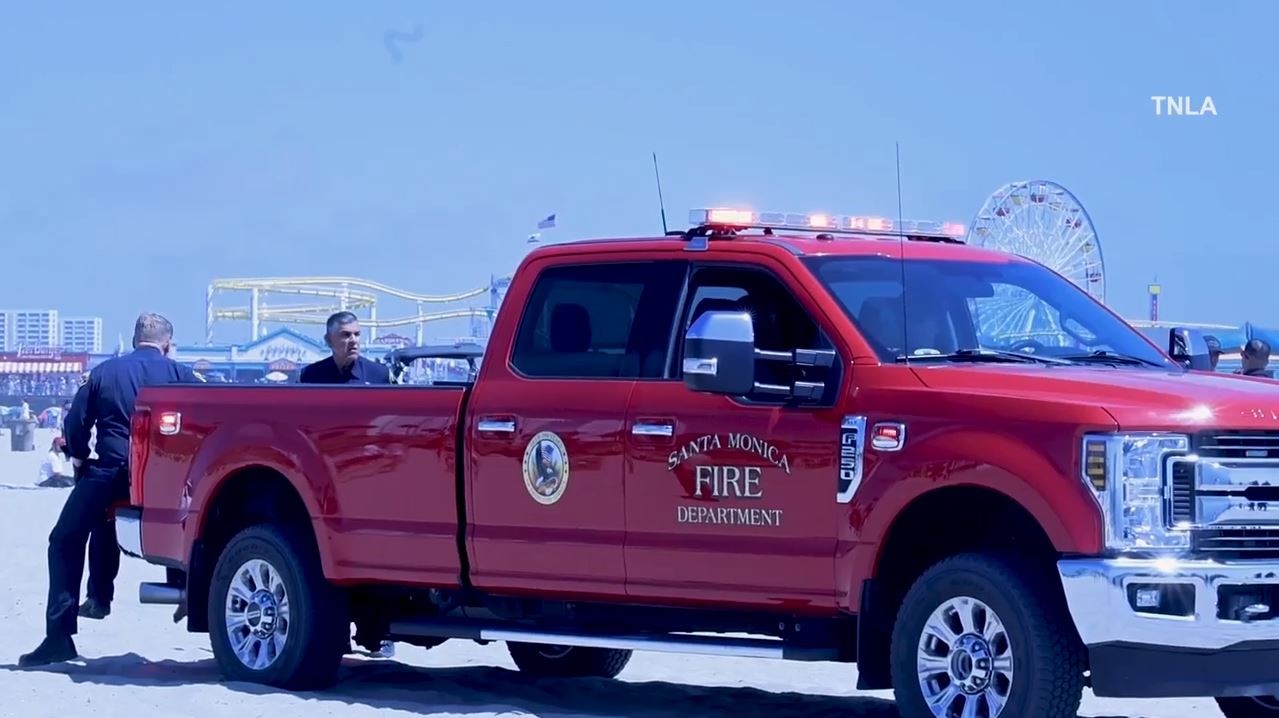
349 293
321 315
338 288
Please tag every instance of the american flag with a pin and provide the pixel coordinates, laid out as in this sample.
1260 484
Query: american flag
547 223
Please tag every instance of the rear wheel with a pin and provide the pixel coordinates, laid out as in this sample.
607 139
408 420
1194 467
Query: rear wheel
1254 707
568 661
273 617
979 636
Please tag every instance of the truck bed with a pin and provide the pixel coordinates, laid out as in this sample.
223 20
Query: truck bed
382 461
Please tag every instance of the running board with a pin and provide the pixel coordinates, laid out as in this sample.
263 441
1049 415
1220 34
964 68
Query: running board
161 593
660 642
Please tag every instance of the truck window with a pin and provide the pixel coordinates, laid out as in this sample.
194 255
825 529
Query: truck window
599 321
951 304
781 322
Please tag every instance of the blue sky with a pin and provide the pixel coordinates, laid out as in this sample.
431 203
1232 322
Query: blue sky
144 153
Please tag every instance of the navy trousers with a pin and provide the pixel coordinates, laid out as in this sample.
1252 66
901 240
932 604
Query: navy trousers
84 525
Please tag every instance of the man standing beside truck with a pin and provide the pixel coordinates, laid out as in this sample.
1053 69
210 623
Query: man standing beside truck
345 365
106 403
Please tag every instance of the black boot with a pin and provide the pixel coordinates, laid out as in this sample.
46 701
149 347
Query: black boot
95 609
53 649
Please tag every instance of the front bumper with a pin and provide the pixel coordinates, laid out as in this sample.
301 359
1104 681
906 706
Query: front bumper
1176 627
128 531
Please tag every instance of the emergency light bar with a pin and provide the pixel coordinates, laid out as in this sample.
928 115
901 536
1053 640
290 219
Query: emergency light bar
859 224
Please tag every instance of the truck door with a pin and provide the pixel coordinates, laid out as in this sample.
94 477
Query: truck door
732 499
547 423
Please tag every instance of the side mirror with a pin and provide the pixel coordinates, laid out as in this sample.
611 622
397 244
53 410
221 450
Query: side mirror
719 354
1189 348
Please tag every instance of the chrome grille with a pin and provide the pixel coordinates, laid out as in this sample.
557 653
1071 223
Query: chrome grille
1181 492
1237 540
1238 444
1231 496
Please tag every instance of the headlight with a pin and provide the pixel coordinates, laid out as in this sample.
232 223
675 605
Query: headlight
1126 473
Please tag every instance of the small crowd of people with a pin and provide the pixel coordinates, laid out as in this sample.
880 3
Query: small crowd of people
60 384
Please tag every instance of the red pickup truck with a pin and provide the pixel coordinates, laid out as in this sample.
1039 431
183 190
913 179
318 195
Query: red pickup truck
821 438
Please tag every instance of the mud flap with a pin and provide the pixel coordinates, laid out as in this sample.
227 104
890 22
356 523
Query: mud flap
874 636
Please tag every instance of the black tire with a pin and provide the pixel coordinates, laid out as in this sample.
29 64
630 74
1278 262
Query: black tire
1048 660
1260 707
317 632
568 661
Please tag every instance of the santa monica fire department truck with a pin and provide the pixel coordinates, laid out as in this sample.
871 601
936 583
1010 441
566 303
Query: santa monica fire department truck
838 436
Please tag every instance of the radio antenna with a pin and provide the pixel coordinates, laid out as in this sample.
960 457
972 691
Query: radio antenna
901 247
660 202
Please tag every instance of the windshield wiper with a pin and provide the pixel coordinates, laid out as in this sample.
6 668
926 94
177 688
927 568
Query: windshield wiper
1109 357
981 355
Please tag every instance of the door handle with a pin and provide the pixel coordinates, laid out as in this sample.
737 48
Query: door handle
496 426
646 428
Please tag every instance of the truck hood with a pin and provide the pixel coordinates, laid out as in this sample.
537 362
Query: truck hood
1137 399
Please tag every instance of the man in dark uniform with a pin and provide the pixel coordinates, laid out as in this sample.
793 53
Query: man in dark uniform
104 546
345 365
105 401
1255 359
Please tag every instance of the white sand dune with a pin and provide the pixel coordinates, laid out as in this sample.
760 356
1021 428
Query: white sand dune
139 663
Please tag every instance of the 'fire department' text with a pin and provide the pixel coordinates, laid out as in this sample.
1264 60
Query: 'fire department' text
728 516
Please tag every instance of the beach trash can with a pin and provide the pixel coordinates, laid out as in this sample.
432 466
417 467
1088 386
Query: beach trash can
22 435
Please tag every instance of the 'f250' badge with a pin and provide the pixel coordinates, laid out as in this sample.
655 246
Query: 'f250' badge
546 468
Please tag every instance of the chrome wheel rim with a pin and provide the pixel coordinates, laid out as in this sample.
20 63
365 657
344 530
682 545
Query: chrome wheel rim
965 660
257 614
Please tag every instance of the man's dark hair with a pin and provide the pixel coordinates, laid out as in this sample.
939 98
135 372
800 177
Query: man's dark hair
1257 348
337 319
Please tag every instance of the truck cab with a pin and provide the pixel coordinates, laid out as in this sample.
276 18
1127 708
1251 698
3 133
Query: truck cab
854 438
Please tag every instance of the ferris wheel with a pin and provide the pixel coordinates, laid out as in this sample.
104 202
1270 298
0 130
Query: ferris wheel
1042 221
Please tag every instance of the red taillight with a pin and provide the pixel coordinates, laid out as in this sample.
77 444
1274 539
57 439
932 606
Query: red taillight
139 449
170 423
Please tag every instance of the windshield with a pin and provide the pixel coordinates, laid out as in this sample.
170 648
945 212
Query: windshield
961 306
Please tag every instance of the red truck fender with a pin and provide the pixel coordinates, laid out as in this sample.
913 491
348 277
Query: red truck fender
230 451
981 466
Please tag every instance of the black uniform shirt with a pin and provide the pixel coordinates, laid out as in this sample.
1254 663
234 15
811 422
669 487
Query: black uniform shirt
107 398
360 371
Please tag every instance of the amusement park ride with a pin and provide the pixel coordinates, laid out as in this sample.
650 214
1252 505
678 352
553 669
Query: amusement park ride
1038 219
325 295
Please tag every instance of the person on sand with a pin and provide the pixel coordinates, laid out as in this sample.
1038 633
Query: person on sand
53 471
104 402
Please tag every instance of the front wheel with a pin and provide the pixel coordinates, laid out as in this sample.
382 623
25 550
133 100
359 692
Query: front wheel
978 636
273 617
1254 707
568 661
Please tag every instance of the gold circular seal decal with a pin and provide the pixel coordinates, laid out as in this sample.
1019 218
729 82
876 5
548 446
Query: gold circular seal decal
546 468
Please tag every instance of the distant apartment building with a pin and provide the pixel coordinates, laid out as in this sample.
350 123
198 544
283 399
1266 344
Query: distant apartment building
81 334
45 329
29 328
